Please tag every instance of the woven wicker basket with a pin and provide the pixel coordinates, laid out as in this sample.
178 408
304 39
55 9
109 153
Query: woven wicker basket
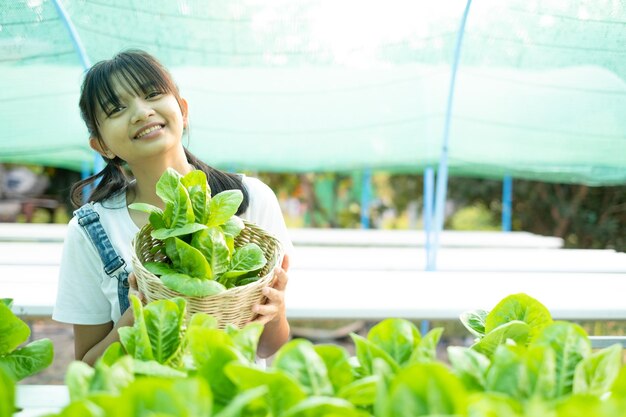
233 306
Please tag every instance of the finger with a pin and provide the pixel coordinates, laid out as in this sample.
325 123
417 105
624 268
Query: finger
280 279
285 264
273 295
132 281
266 310
137 294
262 320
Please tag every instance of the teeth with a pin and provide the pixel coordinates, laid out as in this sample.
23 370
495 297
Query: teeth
145 132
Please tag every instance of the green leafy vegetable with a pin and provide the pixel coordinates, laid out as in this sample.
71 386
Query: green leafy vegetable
212 350
367 352
337 362
540 363
474 321
28 360
426 349
198 232
398 338
361 392
156 334
223 206
212 245
237 406
13 331
597 373
196 287
166 397
323 407
470 366
283 391
299 359
199 194
427 389
507 373
246 339
571 345
519 307
395 373
187 259
248 258
515 330
7 394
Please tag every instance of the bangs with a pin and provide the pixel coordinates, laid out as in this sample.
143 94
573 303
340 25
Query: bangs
137 74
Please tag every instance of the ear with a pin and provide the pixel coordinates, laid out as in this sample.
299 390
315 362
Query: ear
184 108
101 148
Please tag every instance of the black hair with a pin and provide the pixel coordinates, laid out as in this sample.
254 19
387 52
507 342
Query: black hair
142 72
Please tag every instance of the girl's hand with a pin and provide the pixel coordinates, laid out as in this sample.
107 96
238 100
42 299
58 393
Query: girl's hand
285 264
133 289
274 309
272 314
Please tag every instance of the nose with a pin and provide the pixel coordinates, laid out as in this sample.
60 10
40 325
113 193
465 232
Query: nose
141 110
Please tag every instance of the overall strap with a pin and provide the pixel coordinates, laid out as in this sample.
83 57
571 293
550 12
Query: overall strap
114 265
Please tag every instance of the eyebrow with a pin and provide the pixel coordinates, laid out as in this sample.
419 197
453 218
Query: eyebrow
148 85
143 88
117 94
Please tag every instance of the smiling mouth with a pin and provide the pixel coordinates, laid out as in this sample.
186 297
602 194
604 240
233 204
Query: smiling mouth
148 130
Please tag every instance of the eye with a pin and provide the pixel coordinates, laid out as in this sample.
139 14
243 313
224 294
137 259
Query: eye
114 110
154 94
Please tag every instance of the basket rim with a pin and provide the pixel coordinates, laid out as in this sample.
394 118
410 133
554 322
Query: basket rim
262 282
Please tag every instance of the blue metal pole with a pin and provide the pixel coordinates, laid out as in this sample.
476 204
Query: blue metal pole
429 196
442 172
86 64
507 199
98 165
85 173
98 162
365 198
78 45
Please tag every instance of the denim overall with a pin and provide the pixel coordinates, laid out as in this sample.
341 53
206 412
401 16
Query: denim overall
114 265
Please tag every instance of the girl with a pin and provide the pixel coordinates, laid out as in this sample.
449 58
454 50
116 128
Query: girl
136 119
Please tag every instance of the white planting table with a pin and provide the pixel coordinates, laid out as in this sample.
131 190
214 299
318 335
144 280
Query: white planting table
321 294
30 232
39 400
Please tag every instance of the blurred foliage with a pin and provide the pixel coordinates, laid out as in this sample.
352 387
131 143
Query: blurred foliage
585 217
475 217
59 215
319 200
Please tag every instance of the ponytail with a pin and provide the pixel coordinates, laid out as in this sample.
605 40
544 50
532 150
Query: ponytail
113 180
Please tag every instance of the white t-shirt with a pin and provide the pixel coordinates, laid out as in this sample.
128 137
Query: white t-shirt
87 295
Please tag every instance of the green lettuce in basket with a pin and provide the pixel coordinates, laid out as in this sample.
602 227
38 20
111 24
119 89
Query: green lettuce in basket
198 233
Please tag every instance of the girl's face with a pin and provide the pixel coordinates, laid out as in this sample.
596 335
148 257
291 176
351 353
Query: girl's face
140 126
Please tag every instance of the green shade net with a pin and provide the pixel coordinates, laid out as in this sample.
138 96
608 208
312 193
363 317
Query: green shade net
337 86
